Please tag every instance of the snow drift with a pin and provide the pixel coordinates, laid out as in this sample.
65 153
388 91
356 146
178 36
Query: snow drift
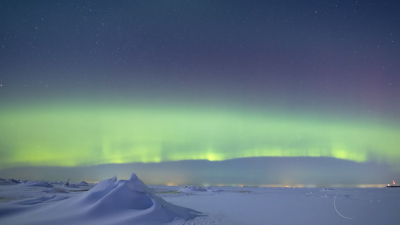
109 202
190 188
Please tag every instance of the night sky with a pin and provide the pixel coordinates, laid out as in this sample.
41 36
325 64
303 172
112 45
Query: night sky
174 84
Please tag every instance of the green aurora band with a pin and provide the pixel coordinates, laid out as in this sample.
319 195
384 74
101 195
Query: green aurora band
91 134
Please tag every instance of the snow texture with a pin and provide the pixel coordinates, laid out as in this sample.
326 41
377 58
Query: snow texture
132 202
109 202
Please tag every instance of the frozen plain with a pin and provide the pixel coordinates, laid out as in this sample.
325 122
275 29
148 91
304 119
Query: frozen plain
132 202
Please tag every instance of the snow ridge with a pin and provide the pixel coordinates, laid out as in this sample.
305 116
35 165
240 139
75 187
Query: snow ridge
109 202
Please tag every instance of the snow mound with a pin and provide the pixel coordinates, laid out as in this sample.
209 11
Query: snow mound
39 183
190 188
82 183
75 185
8 181
109 202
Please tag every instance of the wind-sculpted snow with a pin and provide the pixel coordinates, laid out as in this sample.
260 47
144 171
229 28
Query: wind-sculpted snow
109 202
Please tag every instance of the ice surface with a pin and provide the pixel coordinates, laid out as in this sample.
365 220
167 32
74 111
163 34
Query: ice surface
132 202
258 206
109 202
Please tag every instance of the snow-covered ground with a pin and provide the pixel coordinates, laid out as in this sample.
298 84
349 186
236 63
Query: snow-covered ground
132 202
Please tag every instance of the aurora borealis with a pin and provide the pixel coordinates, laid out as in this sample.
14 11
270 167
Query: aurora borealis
89 135
95 83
